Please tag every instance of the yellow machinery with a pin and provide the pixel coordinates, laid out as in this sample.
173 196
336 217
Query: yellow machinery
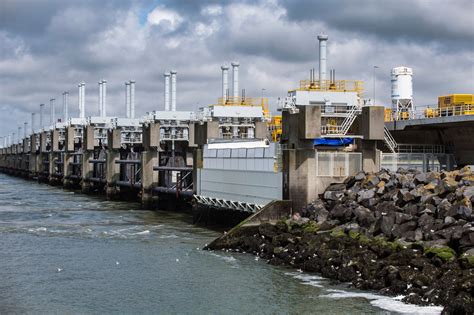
389 115
452 105
455 100
275 128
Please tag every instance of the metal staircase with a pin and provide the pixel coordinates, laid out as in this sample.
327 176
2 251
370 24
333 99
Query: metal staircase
349 120
343 129
389 140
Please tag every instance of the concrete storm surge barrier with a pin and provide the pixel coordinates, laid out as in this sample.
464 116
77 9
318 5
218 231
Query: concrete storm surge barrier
326 132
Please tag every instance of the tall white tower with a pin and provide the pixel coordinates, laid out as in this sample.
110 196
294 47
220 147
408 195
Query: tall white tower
402 93
323 38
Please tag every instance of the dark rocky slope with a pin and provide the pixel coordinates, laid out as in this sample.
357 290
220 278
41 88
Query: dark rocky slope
406 233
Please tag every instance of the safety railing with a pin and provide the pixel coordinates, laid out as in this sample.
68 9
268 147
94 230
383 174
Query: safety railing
431 112
421 148
337 86
389 140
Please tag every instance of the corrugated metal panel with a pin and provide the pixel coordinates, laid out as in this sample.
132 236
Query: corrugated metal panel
244 186
240 175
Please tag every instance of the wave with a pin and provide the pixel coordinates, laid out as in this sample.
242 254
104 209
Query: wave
392 304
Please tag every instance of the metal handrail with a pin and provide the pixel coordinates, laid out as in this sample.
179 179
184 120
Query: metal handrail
389 140
328 85
435 112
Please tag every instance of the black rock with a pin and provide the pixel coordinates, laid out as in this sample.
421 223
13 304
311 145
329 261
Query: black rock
364 216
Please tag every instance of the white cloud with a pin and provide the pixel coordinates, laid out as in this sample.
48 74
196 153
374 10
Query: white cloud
212 10
169 20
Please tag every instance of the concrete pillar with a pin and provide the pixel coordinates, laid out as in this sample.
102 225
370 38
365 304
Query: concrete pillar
370 156
112 173
53 157
149 177
299 177
68 159
86 170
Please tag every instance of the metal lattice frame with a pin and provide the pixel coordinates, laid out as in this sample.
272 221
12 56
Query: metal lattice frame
226 204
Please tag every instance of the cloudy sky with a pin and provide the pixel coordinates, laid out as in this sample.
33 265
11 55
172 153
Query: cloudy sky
48 46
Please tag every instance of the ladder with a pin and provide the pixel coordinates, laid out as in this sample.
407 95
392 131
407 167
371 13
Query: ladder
389 140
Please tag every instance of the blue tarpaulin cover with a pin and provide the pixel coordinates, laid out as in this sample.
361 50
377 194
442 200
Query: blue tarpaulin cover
334 142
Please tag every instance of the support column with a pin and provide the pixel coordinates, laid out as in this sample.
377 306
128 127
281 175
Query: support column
68 159
112 173
86 171
299 177
370 156
52 168
88 154
149 177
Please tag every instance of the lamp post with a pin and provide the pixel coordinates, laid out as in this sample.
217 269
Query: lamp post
375 67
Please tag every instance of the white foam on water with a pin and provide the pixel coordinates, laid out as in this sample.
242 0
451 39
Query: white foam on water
39 229
169 236
142 232
312 280
228 259
393 304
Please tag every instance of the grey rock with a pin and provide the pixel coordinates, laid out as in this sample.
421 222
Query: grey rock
322 216
365 194
386 225
449 220
333 195
421 178
460 211
359 176
401 217
443 208
364 216
401 229
340 212
336 187
426 222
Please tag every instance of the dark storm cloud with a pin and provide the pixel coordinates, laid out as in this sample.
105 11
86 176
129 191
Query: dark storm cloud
47 47
429 21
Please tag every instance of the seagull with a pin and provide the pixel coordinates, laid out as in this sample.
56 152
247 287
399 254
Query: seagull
177 260
59 270
117 263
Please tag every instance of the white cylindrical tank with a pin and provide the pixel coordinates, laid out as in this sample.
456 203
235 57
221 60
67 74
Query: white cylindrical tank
83 100
100 98
167 90
235 80
127 99
322 56
32 123
104 98
402 86
79 102
132 99
41 115
52 115
65 106
173 90
225 82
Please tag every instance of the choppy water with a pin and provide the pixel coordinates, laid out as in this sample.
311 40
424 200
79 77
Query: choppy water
62 252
